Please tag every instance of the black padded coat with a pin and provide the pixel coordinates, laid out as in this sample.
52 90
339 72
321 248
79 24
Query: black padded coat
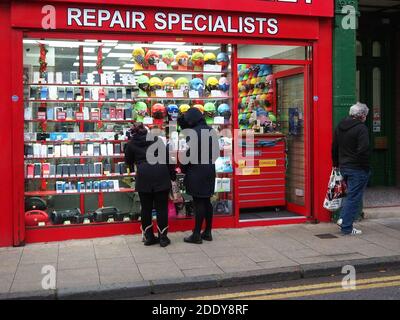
200 178
149 177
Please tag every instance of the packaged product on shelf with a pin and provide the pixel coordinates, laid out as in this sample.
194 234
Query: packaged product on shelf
59 186
52 171
37 170
223 165
81 187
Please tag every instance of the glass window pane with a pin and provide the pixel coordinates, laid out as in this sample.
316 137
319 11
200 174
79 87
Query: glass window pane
359 49
376 87
272 52
376 49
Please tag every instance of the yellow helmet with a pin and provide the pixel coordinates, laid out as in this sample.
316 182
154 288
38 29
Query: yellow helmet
212 81
181 55
138 52
199 107
155 82
181 82
183 108
168 81
210 58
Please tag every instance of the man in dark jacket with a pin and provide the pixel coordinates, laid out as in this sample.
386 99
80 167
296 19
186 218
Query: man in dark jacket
350 153
200 171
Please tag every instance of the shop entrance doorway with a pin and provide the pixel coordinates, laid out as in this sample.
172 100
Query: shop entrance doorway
273 102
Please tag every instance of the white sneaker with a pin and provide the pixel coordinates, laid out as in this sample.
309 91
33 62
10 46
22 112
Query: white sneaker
339 222
355 232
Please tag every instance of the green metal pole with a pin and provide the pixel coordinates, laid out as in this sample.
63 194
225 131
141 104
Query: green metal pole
344 61
344 64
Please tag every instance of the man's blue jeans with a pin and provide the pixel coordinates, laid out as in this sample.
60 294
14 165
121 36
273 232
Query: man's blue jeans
357 181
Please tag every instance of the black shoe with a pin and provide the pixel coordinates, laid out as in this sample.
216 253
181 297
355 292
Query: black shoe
206 235
193 238
164 241
149 241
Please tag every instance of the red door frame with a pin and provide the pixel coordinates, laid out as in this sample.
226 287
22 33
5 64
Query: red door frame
303 210
49 234
304 67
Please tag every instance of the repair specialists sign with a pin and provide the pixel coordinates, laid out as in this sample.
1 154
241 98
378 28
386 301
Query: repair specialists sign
156 21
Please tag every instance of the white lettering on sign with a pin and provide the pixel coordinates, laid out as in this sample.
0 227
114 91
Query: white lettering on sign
172 21
296 1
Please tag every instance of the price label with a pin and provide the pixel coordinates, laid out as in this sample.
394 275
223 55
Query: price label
267 163
252 153
251 171
147 120
41 115
79 116
110 220
161 93
42 224
216 93
242 163
212 68
86 221
177 93
193 94
162 66
67 222
219 120
126 219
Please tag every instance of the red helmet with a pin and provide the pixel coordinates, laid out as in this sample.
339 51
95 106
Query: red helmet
152 57
158 112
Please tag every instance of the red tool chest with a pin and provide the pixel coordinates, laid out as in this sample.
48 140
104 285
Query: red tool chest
261 173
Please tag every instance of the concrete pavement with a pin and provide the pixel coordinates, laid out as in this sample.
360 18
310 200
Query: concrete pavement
120 267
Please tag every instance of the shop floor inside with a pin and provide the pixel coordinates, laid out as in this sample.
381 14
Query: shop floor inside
376 197
267 214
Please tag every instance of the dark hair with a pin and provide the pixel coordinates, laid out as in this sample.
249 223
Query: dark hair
138 129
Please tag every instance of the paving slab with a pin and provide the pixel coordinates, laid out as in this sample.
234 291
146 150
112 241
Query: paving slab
44 255
78 278
76 262
159 270
112 250
191 260
202 271
150 254
235 263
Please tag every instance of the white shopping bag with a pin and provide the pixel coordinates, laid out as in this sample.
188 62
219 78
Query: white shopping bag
336 191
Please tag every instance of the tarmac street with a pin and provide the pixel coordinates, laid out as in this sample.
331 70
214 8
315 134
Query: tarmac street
121 267
370 286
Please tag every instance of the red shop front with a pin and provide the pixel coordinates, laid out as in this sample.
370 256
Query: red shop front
77 74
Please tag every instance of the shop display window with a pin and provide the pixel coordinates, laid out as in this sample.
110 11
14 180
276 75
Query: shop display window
80 100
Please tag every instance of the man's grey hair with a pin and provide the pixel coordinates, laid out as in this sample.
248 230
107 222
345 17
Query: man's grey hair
358 110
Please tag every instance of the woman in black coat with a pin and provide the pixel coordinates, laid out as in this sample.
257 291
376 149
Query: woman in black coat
200 175
153 183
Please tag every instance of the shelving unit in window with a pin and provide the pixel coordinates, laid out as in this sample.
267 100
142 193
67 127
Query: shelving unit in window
76 120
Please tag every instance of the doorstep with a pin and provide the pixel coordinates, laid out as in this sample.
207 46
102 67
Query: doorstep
382 212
